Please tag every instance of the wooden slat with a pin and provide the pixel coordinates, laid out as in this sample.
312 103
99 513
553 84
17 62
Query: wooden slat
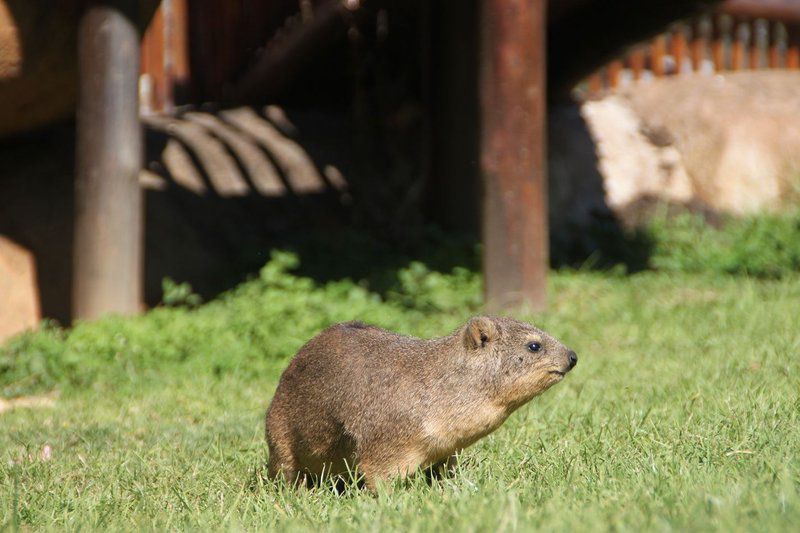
678 47
792 46
636 61
718 44
595 84
177 52
657 49
737 45
614 73
754 61
774 58
699 46
784 10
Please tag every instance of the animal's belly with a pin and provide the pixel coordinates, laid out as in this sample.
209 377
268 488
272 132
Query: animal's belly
449 434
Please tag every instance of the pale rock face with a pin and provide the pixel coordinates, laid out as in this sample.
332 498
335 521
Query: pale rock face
738 134
731 142
19 295
633 166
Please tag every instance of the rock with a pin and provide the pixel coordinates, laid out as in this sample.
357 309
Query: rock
737 135
633 160
19 294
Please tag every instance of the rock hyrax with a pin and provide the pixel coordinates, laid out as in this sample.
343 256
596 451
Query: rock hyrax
357 396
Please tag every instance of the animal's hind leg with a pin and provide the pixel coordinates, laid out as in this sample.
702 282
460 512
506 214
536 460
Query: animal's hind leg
380 468
443 469
282 463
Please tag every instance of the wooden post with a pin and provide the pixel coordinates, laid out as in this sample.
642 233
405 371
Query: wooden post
678 48
636 60
657 49
512 83
614 71
792 46
718 44
595 84
698 46
774 59
754 63
108 200
737 38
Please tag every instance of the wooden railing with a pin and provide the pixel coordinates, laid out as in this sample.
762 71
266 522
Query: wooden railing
741 34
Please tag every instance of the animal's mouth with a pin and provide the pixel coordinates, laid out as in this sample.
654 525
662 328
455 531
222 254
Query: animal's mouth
559 372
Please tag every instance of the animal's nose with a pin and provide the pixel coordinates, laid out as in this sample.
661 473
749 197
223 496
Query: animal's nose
573 359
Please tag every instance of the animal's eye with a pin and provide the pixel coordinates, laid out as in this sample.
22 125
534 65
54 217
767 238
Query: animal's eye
534 347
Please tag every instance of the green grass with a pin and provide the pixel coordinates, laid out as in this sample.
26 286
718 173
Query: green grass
682 414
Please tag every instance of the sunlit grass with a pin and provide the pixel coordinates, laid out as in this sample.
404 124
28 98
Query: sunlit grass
682 414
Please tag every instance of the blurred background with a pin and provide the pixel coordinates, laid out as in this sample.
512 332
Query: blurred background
363 132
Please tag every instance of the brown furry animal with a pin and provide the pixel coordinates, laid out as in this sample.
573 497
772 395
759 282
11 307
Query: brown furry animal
359 396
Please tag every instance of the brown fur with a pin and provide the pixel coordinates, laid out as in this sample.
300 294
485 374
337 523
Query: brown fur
359 396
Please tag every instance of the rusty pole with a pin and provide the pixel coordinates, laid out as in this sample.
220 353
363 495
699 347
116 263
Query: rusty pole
512 83
107 275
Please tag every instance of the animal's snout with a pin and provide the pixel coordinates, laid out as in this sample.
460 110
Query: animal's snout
573 359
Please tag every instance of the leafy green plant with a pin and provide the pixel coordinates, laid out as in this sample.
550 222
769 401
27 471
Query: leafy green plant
766 246
179 294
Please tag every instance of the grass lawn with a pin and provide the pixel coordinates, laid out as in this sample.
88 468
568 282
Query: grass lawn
682 414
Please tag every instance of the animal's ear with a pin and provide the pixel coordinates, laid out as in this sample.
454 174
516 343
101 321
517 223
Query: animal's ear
479 331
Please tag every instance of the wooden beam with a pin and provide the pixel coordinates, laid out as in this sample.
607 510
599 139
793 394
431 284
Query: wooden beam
283 58
786 11
107 274
512 84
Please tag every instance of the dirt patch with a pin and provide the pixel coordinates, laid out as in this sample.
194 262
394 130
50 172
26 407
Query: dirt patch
27 402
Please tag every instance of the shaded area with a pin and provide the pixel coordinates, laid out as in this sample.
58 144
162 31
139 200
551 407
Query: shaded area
224 187
584 231
219 190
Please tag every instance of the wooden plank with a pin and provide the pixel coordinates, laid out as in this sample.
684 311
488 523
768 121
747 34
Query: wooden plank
699 46
175 53
512 83
787 11
718 44
636 62
678 47
152 60
754 62
738 45
614 73
595 84
107 276
792 46
774 59
657 49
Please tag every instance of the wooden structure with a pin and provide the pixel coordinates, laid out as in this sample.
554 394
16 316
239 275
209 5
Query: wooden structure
741 34
491 116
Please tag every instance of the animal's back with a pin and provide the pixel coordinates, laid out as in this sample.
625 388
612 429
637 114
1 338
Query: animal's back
337 387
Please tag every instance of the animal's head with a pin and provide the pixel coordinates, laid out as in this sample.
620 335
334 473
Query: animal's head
522 361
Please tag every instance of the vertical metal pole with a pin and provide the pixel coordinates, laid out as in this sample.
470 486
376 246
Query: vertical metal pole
512 82
108 200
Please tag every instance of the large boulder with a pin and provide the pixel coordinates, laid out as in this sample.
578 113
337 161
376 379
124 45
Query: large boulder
19 295
738 134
